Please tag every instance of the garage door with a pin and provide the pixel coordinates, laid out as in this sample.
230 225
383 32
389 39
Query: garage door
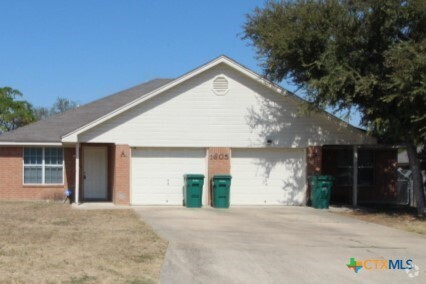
268 176
157 174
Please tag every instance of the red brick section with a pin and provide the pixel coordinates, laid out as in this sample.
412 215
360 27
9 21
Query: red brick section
314 164
69 156
121 179
219 162
386 177
314 160
11 177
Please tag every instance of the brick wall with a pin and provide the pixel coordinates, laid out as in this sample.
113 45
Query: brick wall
11 177
219 162
314 160
314 165
386 177
121 178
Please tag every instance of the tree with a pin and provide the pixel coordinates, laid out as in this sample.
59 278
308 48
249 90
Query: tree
41 113
62 105
59 106
13 113
368 55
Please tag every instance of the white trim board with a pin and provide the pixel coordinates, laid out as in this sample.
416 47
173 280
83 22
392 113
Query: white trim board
31 143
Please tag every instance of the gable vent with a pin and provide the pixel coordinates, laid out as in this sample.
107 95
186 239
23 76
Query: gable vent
220 85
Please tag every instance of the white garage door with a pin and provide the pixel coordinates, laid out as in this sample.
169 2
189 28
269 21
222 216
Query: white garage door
157 174
268 176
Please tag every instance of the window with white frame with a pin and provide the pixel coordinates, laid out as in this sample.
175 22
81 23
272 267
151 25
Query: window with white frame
43 165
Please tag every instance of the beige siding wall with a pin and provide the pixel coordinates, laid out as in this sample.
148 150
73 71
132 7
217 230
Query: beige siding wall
192 115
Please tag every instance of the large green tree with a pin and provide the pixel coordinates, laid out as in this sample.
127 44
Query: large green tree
14 113
346 54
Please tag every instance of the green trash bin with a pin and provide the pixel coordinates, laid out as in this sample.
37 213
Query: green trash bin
193 190
221 191
321 191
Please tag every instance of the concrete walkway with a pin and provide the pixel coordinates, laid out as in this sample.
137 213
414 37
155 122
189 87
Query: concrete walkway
99 206
277 245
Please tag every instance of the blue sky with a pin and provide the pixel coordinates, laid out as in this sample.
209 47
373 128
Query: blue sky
84 50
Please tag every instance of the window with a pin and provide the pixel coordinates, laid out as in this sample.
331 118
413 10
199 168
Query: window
345 167
43 166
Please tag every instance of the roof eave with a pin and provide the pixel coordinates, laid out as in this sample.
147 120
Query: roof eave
25 143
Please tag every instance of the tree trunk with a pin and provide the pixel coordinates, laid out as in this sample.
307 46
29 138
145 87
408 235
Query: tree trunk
417 178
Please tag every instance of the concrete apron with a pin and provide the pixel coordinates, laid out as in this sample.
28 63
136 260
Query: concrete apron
99 206
277 245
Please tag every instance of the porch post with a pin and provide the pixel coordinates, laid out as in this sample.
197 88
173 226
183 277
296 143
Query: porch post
77 173
355 178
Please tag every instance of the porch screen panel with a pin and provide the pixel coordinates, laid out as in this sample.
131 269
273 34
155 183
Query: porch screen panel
344 167
366 168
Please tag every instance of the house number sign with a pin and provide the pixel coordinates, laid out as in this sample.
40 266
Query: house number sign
219 157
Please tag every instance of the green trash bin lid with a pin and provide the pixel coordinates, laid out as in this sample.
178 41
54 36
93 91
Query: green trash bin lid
320 177
193 176
330 178
222 177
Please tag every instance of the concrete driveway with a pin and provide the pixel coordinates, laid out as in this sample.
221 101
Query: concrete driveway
277 245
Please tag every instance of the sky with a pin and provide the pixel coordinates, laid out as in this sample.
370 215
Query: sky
86 49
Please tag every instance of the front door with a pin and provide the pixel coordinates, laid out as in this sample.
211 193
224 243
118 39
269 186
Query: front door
95 180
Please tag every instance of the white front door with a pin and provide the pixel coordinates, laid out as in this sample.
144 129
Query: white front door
95 169
268 176
158 174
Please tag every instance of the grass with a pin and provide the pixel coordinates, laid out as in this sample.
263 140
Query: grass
403 218
52 243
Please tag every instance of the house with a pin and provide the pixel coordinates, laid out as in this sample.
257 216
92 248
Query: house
134 147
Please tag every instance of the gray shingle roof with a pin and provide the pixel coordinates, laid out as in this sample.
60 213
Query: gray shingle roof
53 128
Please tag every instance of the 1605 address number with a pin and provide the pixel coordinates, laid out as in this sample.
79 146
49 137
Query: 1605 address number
219 157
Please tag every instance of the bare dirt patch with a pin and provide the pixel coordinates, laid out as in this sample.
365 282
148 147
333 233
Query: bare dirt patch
50 243
392 216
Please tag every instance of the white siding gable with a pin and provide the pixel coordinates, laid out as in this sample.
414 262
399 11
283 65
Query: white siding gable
193 115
